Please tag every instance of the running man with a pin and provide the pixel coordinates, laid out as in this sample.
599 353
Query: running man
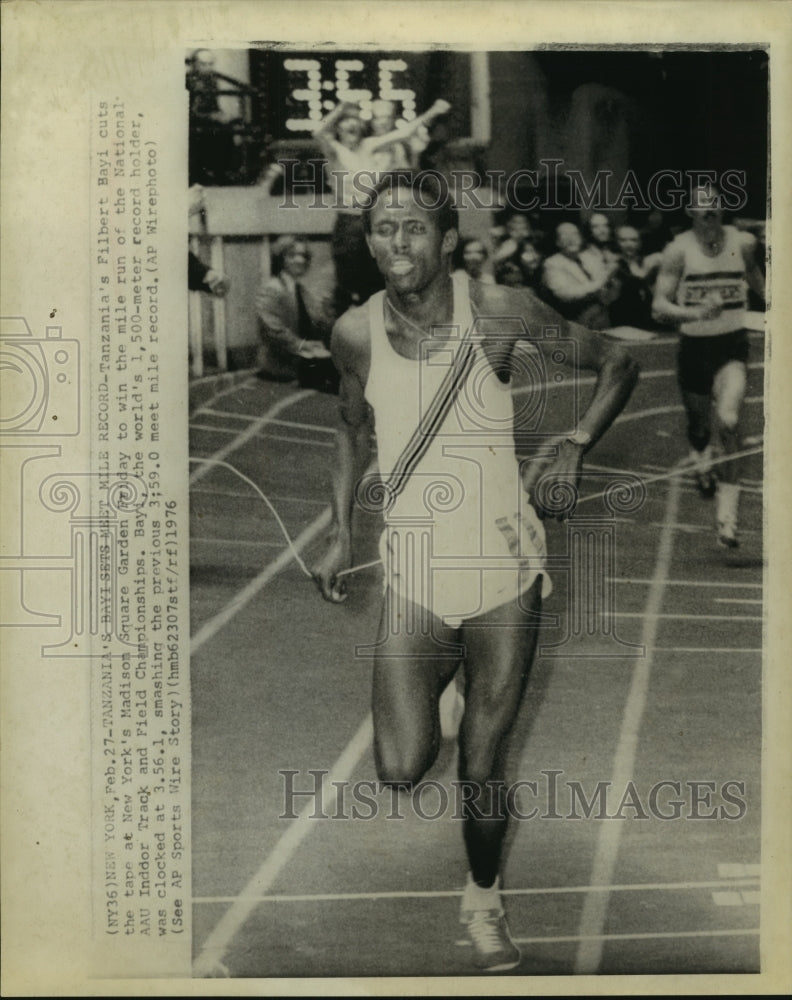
702 287
468 586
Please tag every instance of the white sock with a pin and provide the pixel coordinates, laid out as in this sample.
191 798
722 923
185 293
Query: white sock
476 898
701 460
727 499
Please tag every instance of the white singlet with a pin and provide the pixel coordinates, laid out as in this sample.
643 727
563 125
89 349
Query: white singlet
461 537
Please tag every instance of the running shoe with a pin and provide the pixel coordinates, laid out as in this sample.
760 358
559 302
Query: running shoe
493 948
727 535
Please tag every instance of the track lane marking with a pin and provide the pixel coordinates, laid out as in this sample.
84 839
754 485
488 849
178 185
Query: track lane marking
595 906
600 939
249 432
683 583
330 897
216 945
210 628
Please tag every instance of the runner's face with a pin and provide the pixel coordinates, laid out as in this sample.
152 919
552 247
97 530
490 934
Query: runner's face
705 210
406 242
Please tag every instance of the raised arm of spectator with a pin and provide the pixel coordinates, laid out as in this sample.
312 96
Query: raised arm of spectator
407 131
324 131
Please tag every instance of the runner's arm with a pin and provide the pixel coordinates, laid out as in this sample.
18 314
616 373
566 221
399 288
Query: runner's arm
617 373
664 309
352 452
753 273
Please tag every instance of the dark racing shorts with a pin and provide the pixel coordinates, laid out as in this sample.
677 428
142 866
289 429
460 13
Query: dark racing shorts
700 358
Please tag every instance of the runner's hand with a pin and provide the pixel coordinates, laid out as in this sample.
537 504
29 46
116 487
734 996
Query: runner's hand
711 307
325 572
552 482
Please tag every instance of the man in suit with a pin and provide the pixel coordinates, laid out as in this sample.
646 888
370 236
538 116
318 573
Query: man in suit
294 323
580 286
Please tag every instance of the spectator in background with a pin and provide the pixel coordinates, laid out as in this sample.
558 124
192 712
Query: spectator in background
508 237
471 257
521 269
580 286
655 233
636 276
599 239
436 154
213 155
531 262
508 272
294 323
402 154
201 278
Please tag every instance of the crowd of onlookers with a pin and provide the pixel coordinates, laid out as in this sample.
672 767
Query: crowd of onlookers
591 273
592 269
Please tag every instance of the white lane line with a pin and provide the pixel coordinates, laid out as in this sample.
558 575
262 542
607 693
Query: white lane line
738 600
657 411
332 897
694 528
573 380
213 430
211 492
235 541
684 583
217 944
600 939
228 390
213 626
595 906
321 428
684 618
249 432
267 436
706 649
688 483
210 411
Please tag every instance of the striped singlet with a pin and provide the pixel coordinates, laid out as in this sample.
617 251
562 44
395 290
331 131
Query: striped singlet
723 275
460 534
